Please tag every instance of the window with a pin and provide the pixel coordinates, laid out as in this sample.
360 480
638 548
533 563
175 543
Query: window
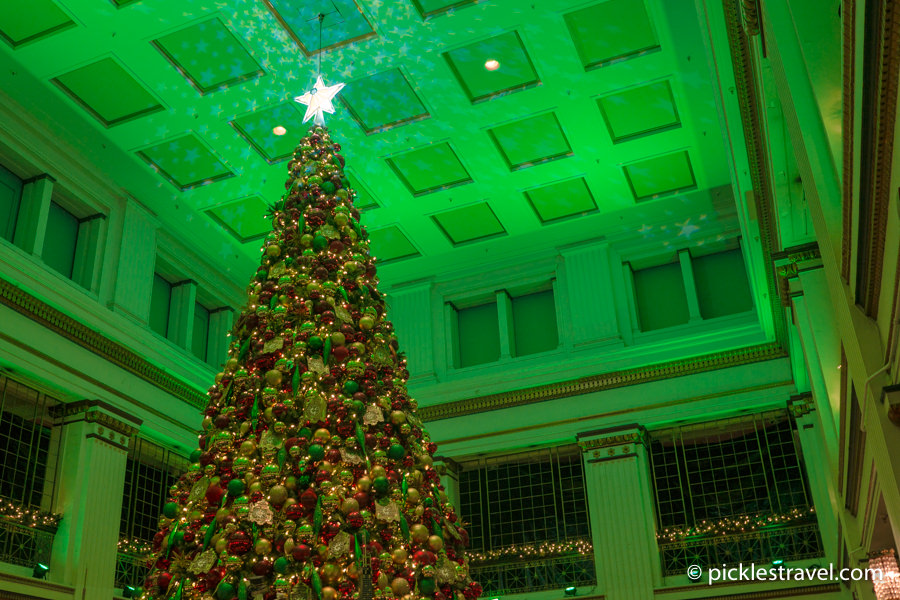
150 471
200 337
61 240
722 286
738 475
27 449
478 335
160 304
660 297
524 499
10 198
534 322
505 327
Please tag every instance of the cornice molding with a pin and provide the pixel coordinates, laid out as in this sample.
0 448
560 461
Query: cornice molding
606 381
78 333
748 102
801 405
788 264
789 592
750 12
96 411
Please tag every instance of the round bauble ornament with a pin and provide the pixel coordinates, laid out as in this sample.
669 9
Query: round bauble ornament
435 542
170 510
273 377
280 565
301 552
367 322
419 533
400 587
238 543
278 494
262 546
329 593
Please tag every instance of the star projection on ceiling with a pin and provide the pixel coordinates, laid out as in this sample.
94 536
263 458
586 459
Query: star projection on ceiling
318 101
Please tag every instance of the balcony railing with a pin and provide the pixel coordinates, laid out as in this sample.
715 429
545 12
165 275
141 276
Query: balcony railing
787 543
530 575
24 545
131 569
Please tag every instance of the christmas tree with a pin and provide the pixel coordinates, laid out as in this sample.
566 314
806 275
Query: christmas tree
314 475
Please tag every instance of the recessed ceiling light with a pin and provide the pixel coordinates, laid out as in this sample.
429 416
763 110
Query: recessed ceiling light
492 65
279 130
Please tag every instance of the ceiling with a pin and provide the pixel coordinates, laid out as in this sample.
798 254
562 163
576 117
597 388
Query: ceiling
601 120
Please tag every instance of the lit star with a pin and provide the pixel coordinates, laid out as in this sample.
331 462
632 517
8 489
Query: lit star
318 101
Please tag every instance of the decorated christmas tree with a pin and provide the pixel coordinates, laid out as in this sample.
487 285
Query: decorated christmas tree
314 475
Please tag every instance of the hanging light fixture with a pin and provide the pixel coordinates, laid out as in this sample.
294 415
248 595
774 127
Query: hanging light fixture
887 587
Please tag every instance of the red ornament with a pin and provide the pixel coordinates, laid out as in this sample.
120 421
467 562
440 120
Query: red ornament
301 552
238 543
262 567
163 580
308 499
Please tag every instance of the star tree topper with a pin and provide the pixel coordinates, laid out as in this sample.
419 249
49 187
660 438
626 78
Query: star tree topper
318 101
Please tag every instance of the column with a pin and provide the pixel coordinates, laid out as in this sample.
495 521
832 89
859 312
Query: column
449 472
617 476
94 441
89 252
31 222
136 262
822 491
412 316
507 329
181 313
690 288
220 323
589 287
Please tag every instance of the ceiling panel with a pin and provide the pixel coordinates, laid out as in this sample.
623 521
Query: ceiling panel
390 244
430 169
382 101
515 71
639 111
185 162
364 199
531 141
344 22
208 55
472 223
561 200
433 8
20 24
89 86
610 31
660 175
244 218
257 128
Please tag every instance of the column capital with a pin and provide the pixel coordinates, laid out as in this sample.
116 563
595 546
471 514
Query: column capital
446 466
890 395
112 425
801 404
612 442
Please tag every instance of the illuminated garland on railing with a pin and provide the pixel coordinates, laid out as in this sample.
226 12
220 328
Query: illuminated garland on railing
732 525
543 550
134 547
27 516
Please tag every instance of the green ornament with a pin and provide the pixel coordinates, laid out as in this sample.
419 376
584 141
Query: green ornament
316 452
320 242
315 342
426 586
236 487
305 432
225 591
170 510
350 387
328 187
195 455
396 452
281 565
381 485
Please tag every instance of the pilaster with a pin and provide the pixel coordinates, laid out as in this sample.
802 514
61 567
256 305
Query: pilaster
617 476
136 262
181 313
411 314
94 439
588 285
220 323
31 222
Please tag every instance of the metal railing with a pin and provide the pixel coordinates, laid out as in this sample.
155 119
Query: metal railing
23 545
131 569
787 543
532 575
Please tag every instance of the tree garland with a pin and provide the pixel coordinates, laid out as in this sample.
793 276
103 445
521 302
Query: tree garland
732 525
27 516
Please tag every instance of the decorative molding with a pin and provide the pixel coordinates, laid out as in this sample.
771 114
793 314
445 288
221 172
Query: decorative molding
876 172
790 592
801 405
67 327
606 381
750 12
625 435
38 585
788 264
848 78
754 132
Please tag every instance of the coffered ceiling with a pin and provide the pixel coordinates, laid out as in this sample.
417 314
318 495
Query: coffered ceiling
599 120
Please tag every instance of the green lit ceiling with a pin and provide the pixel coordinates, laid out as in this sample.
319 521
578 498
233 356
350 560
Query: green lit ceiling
601 120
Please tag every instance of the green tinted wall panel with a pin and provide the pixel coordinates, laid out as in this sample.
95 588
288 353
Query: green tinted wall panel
515 72
722 286
10 197
660 297
160 300
200 336
108 92
534 323
61 239
611 30
478 335
21 23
